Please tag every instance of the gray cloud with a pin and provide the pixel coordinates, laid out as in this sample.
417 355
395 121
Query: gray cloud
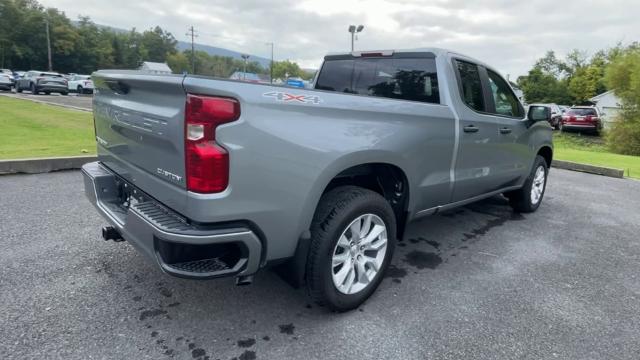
509 35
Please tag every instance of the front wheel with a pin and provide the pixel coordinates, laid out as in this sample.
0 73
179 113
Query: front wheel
352 242
34 91
528 198
79 90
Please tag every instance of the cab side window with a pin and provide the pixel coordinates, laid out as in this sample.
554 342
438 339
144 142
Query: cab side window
506 103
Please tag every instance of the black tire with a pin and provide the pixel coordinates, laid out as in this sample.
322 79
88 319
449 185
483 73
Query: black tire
47 92
336 210
520 200
64 93
79 90
34 91
18 89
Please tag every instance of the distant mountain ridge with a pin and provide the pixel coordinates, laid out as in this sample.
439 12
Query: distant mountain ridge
213 50
184 45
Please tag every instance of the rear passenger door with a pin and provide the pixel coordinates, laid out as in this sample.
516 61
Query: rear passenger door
513 158
479 141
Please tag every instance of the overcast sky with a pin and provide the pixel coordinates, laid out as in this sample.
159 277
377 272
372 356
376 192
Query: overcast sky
508 34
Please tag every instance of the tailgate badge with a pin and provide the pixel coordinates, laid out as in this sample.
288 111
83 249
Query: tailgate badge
169 175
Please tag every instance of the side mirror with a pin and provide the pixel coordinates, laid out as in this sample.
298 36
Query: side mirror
539 113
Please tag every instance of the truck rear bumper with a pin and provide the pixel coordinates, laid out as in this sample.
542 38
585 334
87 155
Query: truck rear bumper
179 247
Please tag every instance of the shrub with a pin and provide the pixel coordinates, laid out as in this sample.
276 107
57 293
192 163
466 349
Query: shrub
624 135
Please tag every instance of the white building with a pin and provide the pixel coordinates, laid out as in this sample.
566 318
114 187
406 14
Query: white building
155 67
608 104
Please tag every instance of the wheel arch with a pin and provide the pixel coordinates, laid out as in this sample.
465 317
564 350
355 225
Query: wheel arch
353 169
546 151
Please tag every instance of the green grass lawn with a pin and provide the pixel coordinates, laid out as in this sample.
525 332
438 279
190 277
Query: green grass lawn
33 130
587 149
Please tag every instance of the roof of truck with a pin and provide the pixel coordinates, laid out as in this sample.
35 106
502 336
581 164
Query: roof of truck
426 50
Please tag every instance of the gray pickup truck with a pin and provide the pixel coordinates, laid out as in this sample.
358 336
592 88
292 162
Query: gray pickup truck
212 177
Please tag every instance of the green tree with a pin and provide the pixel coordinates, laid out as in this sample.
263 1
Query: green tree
282 68
158 44
623 76
541 87
179 63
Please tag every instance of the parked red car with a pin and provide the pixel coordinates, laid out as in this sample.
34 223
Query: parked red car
582 118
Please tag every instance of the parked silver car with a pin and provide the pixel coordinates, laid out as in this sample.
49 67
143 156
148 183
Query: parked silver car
6 83
42 81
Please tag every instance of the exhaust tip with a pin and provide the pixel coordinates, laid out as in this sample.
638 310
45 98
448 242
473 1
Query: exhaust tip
244 280
110 233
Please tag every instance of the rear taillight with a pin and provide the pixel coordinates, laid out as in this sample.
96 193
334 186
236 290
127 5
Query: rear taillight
207 163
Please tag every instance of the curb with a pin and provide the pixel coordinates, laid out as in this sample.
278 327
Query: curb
44 165
48 103
591 169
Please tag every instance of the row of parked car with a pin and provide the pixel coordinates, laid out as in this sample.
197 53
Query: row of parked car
45 81
579 118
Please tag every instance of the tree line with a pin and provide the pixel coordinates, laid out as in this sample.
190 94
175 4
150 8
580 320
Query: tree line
578 77
572 80
83 47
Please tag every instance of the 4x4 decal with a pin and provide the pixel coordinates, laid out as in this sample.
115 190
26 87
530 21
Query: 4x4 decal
287 97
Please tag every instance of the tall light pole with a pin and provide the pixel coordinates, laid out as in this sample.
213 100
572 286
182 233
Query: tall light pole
354 30
244 72
271 64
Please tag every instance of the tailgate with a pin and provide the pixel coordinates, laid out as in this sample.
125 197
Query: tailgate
139 124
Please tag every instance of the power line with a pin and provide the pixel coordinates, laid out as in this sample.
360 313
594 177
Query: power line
192 33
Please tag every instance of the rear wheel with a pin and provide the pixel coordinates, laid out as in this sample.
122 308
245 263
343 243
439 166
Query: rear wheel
34 91
352 242
80 90
528 198
18 89
64 93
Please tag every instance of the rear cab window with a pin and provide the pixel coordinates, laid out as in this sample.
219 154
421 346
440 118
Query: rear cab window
413 79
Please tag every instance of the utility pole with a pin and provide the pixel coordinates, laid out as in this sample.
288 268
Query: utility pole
46 22
271 65
244 72
192 33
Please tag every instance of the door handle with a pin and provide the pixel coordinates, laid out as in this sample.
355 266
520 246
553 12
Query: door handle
505 130
470 129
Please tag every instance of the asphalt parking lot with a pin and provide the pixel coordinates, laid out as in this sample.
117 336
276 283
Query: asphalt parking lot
71 100
475 283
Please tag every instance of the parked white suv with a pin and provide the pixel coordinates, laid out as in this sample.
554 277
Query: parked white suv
81 84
